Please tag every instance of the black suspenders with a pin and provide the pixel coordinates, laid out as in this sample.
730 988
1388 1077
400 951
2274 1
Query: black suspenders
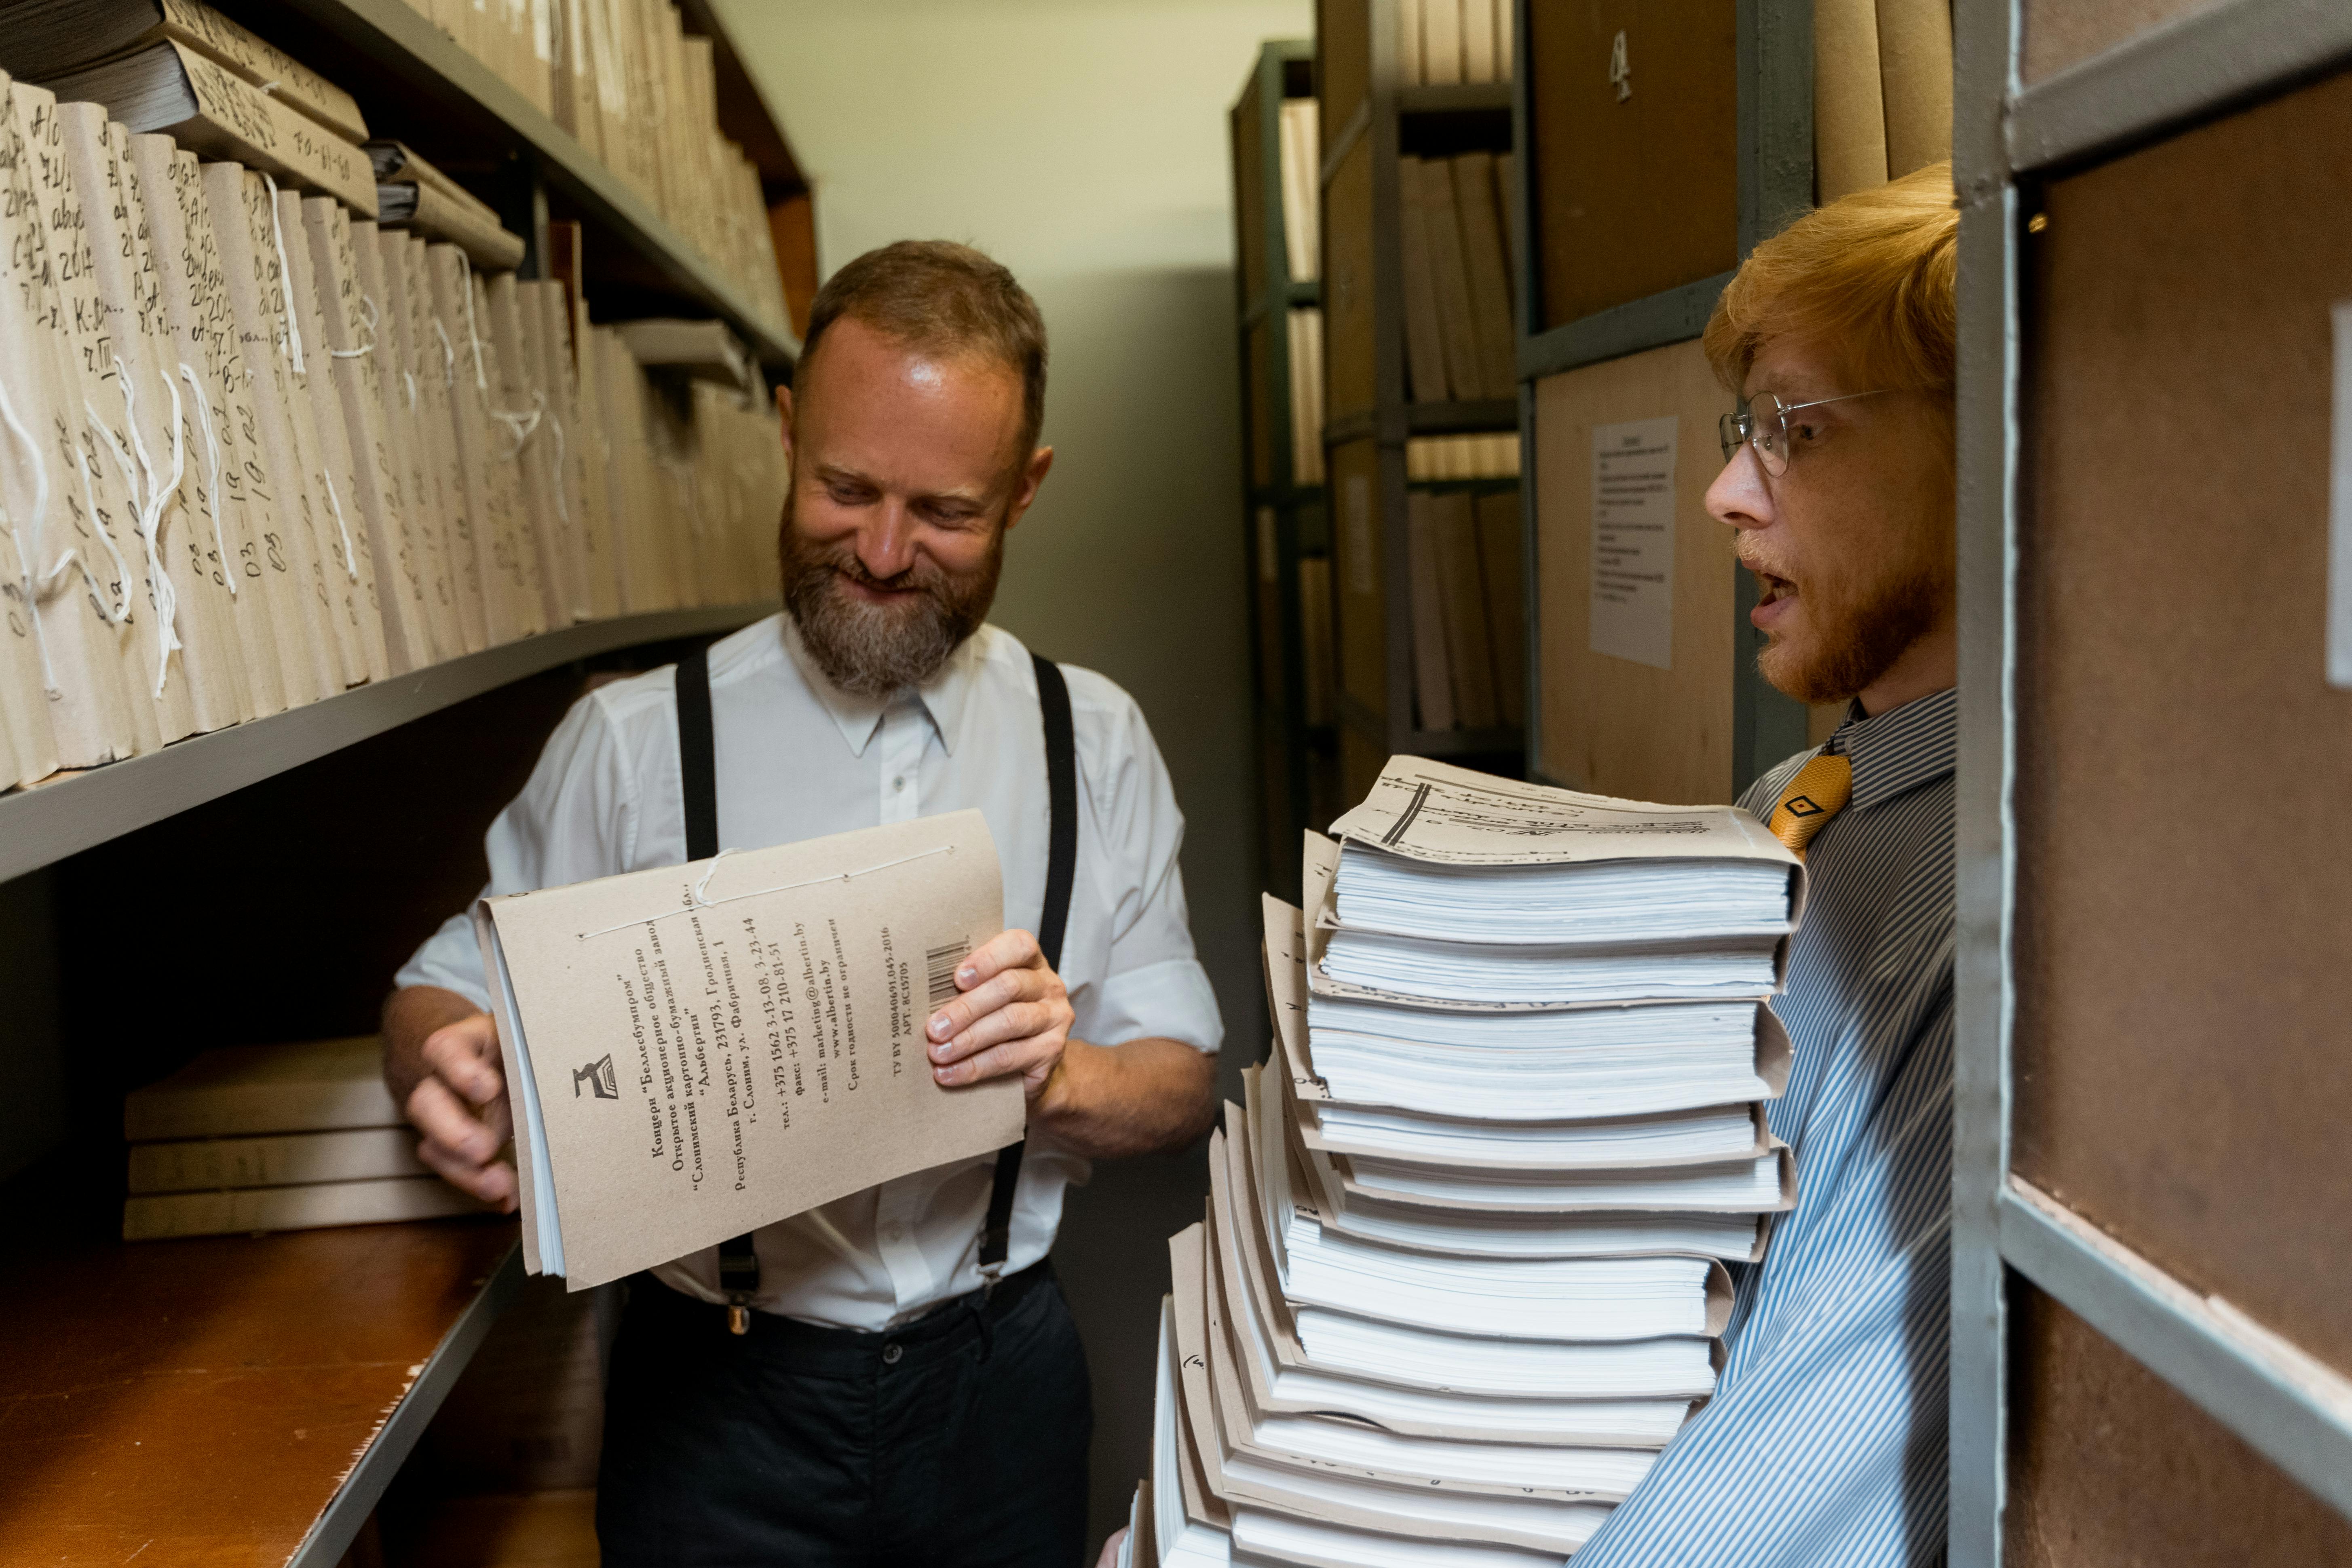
739 1265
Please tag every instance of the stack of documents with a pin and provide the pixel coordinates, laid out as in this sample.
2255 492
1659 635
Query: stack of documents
287 1137
1462 1273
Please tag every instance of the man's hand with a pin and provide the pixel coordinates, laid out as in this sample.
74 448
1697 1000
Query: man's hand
441 1062
1109 1558
1013 1016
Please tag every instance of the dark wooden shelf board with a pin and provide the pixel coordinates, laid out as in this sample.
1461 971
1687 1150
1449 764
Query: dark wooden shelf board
230 1399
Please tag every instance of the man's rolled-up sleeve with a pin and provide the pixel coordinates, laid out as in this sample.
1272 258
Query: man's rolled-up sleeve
576 819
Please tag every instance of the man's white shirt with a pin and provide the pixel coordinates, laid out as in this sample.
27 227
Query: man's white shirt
797 758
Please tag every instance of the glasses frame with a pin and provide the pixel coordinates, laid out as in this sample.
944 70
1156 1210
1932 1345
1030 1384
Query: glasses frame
1740 428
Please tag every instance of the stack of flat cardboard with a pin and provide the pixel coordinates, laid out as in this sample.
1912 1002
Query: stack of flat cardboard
286 1137
1463 1271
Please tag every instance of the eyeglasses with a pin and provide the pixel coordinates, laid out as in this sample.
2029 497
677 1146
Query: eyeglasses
1762 422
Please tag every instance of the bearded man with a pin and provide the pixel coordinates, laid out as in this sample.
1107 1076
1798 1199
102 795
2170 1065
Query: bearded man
1825 1441
893 1377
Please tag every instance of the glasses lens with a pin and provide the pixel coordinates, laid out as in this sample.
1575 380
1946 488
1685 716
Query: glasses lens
1767 432
1732 431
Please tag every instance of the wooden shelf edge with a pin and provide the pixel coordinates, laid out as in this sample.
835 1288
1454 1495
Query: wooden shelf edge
48 822
338 1523
413 49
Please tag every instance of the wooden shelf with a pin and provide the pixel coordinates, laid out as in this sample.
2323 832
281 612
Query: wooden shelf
231 1399
376 41
71 812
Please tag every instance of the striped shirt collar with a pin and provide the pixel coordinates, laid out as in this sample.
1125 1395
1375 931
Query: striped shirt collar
1900 749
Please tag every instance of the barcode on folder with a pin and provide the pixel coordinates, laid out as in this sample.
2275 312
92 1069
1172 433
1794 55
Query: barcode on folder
940 964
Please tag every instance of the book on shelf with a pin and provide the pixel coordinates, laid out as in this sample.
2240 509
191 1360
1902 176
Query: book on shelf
1306 325
235 1091
432 212
280 1160
1425 334
1459 342
1476 200
45 38
210 110
704 349
1445 42
268 450
314 1206
1430 1321
1462 593
1300 128
1467 619
672 1084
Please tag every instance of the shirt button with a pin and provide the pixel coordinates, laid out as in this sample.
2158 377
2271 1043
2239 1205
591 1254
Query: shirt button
898 784
890 1354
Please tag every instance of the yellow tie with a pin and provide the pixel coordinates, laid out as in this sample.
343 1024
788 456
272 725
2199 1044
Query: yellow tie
1817 792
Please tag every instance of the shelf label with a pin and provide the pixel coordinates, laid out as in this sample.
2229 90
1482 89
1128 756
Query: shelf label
1634 541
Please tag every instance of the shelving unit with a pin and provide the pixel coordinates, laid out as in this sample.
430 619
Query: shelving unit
1281 521
1678 200
250 1398
2149 1351
413 82
1370 119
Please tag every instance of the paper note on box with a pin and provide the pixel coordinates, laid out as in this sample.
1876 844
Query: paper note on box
699 1050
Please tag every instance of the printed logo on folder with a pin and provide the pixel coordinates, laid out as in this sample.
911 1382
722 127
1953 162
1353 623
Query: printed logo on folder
599 1076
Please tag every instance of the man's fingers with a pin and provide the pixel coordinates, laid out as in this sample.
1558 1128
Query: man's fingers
1109 1558
492 1184
465 1055
447 1121
1005 950
1015 1021
989 997
997 1061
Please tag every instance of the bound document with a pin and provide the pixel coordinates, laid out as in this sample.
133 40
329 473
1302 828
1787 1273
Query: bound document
699 1050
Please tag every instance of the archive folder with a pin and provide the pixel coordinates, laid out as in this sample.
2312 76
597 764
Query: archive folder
694 1051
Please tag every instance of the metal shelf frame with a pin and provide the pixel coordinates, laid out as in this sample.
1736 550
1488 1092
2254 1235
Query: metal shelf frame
406 47
1298 508
1774 65
2287 1405
75 812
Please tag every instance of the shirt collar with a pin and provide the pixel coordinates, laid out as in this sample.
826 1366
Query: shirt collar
943 698
1902 747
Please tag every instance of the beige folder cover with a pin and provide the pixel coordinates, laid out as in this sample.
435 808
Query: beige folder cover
722 1045
1849 99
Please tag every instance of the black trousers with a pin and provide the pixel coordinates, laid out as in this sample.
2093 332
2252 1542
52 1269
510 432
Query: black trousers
960 1438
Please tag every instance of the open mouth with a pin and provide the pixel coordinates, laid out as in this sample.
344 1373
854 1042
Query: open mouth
1773 596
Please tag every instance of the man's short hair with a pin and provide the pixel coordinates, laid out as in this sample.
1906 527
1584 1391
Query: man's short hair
1869 278
945 299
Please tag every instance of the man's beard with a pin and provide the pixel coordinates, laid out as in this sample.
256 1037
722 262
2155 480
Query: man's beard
1860 629
875 650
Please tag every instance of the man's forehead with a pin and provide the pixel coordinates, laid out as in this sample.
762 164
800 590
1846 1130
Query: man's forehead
1793 371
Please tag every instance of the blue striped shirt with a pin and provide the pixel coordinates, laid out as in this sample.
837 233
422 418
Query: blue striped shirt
1825 1441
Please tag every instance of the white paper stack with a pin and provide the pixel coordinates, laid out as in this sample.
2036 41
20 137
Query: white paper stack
1462 1273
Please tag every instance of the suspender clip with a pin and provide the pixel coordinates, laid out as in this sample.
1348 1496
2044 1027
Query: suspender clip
738 1318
